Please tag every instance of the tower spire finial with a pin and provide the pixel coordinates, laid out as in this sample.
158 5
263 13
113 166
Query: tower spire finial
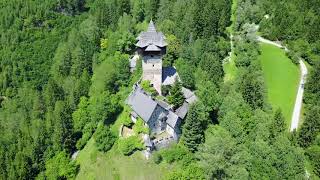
151 27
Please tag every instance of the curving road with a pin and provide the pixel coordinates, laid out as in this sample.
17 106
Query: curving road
298 105
304 71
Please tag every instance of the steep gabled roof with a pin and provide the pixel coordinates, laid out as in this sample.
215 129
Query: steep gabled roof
172 120
151 38
142 104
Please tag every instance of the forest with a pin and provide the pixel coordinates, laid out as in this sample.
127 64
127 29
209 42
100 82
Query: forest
64 77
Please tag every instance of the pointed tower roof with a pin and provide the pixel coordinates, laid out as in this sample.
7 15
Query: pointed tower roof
151 38
152 27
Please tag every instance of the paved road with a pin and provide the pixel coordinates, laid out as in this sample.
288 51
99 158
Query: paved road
298 104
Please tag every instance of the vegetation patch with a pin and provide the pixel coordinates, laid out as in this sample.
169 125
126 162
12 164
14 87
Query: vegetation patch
282 79
115 165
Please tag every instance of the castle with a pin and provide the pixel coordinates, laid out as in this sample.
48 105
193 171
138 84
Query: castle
151 47
159 116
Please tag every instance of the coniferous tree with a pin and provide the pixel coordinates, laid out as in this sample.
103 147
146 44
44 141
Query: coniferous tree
104 138
278 125
176 97
310 127
194 127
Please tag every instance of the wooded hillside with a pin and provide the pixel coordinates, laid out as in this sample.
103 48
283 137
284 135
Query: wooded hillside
64 77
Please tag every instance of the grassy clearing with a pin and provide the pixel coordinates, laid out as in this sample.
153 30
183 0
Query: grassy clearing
230 69
115 166
282 79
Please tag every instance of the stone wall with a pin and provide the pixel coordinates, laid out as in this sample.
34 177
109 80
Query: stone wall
152 70
155 124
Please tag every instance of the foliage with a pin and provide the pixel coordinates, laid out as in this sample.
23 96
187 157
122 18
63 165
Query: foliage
185 71
313 152
310 128
175 153
129 145
140 128
176 97
278 125
215 153
192 171
165 89
125 117
104 138
173 50
146 85
195 124
61 167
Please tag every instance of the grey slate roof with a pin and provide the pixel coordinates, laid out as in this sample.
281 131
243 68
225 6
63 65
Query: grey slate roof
172 120
163 104
151 38
183 110
152 47
169 75
189 95
142 104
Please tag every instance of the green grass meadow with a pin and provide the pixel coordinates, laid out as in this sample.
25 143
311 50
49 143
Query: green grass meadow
113 165
95 165
281 77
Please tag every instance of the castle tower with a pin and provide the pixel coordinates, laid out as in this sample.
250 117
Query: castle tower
151 47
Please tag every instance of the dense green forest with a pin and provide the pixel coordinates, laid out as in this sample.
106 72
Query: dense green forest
64 77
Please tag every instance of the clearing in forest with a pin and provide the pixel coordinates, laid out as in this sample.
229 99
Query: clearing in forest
114 166
281 77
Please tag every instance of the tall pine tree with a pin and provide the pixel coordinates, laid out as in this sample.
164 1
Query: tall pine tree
176 97
193 129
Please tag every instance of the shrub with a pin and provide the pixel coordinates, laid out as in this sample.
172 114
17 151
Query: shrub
176 153
176 97
104 138
87 131
293 56
125 117
129 145
157 158
139 127
192 171
165 90
146 85
61 167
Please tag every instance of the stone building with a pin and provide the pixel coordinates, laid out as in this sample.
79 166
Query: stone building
157 115
151 47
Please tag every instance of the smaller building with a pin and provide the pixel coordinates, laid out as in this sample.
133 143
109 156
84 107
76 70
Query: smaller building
157 115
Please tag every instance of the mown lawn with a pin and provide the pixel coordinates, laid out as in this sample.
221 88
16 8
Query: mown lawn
115 166
282 79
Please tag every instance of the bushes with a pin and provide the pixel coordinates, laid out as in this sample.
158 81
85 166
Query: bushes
125 117
139 127
61 167
176 97
104 138
148 88
174 154
129 145
293 56
192 171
